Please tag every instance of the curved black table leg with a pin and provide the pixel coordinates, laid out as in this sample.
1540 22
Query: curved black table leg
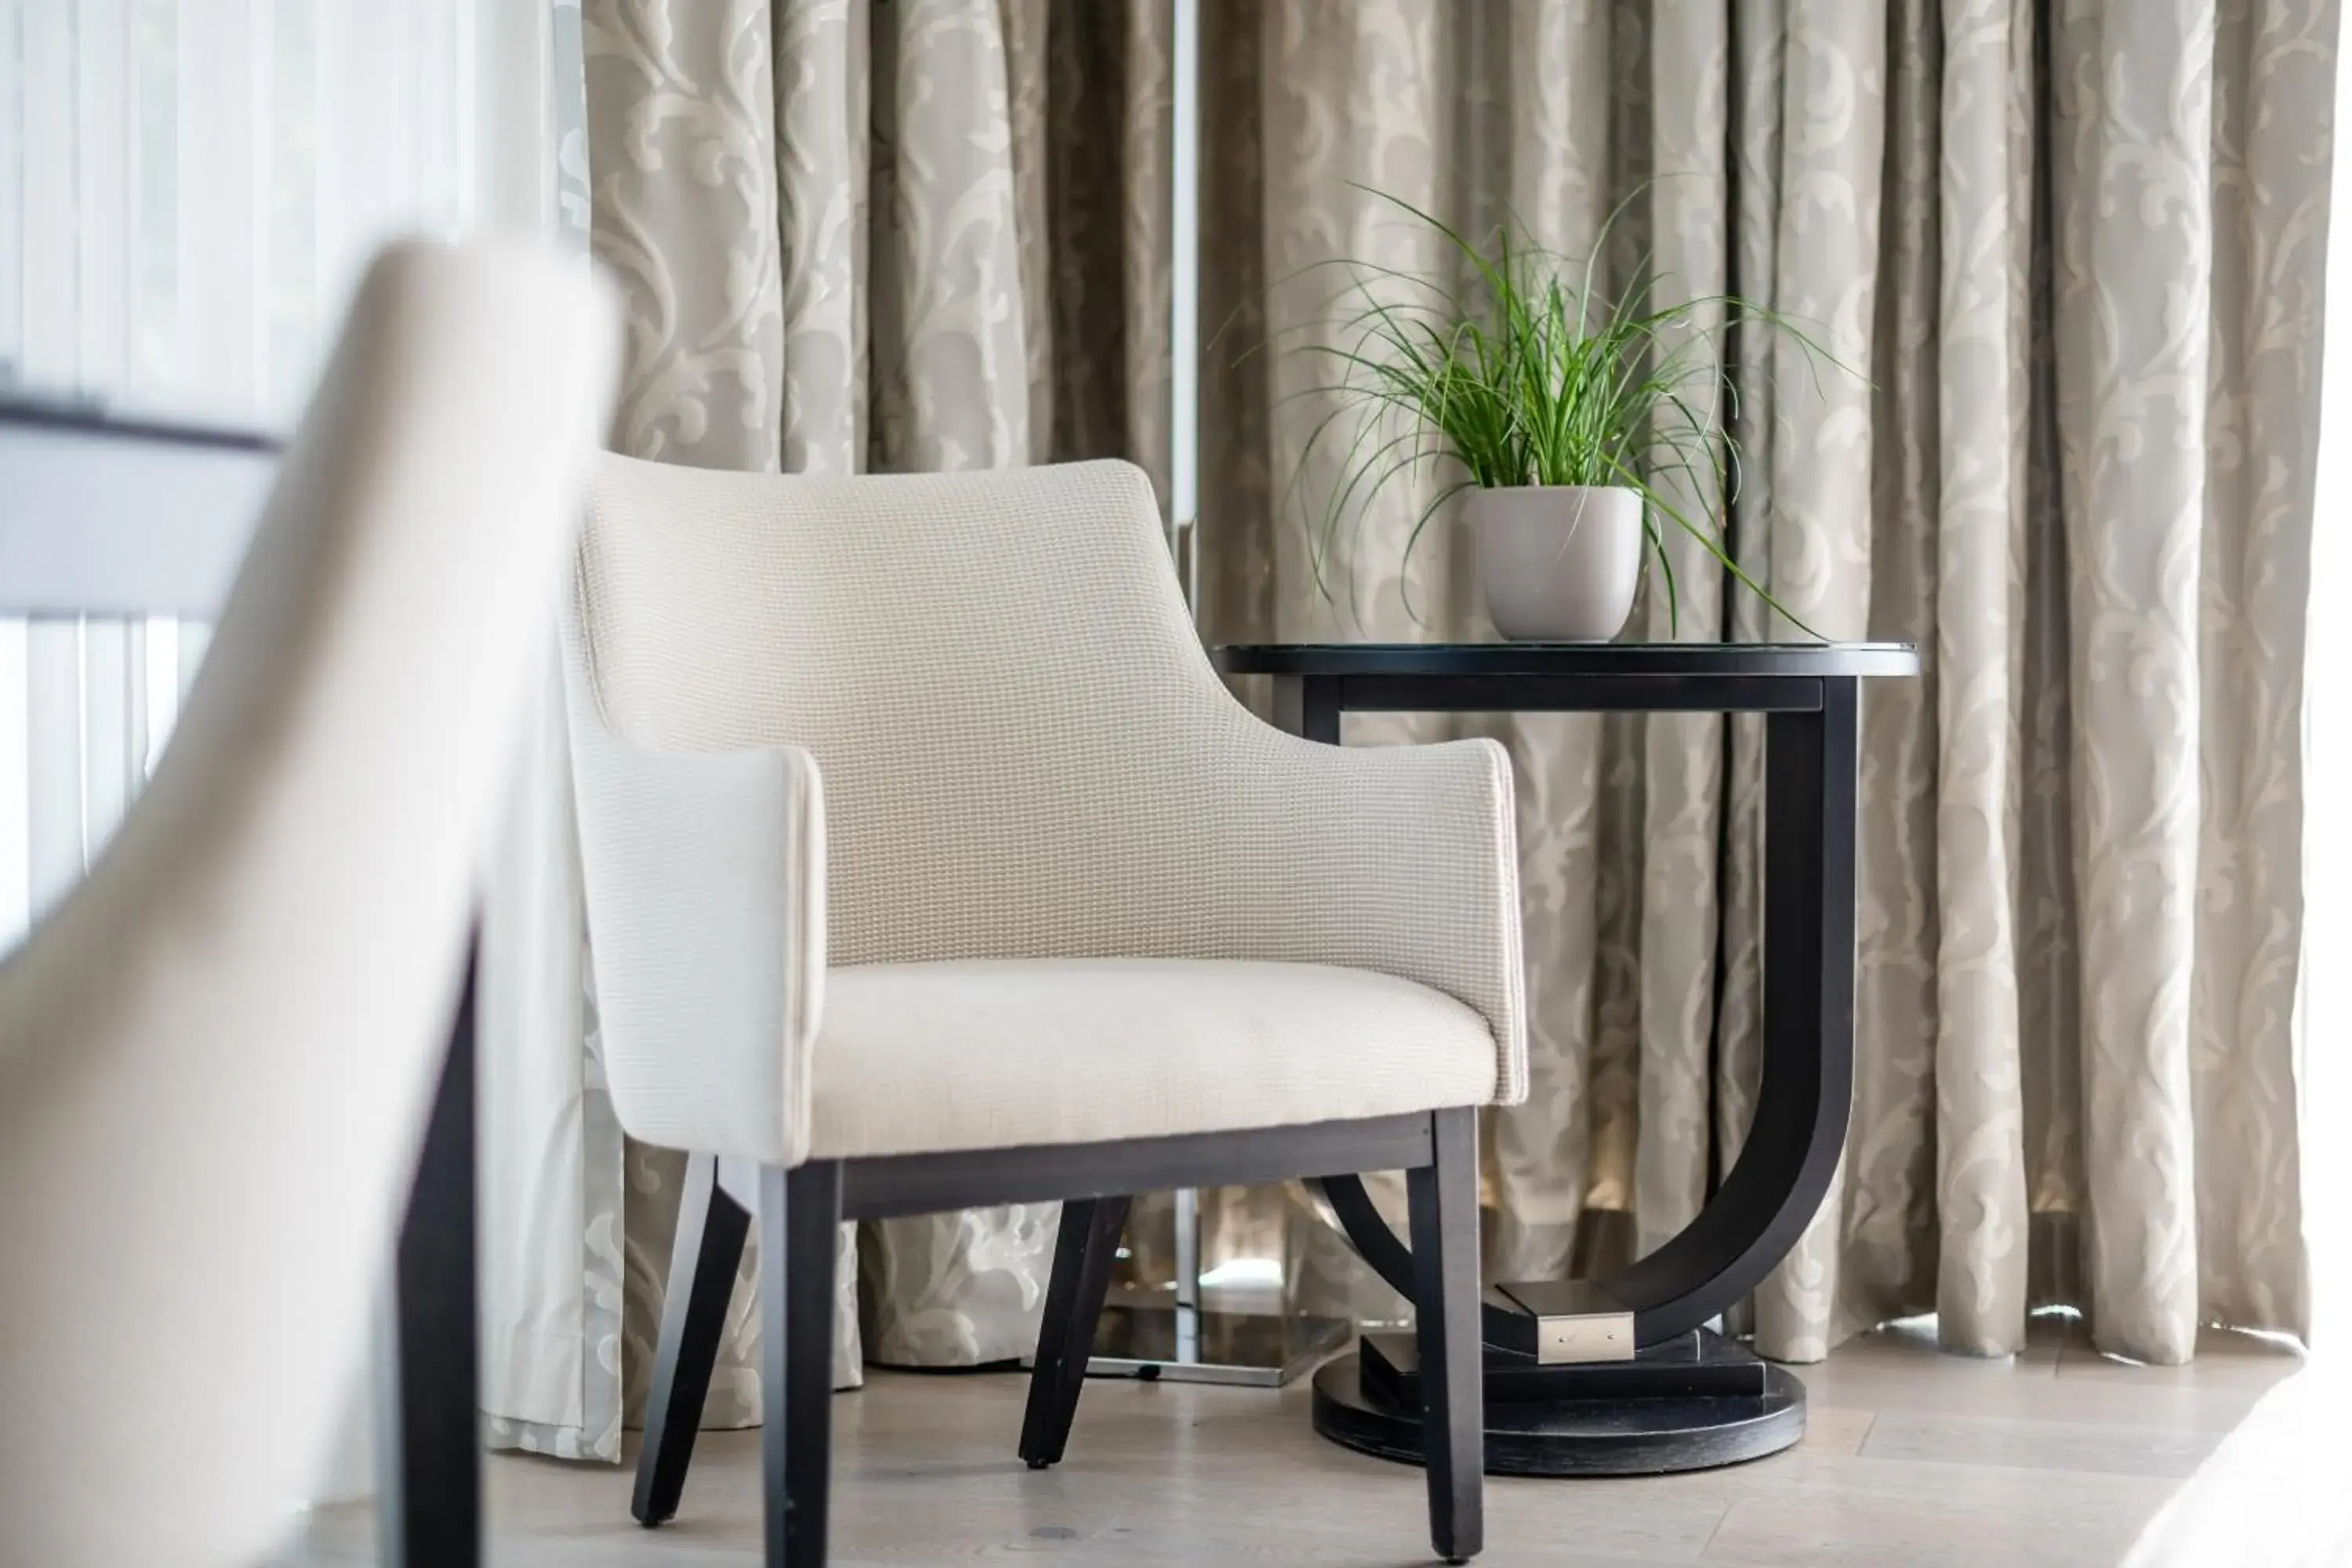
1806 1082
1770 1195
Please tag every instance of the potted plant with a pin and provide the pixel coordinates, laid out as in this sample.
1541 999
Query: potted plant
1562 413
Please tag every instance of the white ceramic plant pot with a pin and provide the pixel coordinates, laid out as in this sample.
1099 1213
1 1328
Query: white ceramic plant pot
1558 562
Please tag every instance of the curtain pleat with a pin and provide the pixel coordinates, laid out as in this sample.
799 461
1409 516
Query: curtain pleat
1982 249
2269 233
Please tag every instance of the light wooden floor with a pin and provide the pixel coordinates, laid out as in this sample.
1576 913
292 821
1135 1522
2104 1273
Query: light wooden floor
1914 1459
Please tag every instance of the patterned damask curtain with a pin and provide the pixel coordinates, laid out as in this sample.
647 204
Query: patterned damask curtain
2076 251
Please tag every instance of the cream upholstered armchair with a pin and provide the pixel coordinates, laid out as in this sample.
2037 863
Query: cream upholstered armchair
216 1053
929 864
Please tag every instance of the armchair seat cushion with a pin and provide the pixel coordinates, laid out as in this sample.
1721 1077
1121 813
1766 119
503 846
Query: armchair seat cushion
1002 1053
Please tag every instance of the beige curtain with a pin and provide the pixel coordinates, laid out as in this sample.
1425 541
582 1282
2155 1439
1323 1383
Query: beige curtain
2077 255
2077 251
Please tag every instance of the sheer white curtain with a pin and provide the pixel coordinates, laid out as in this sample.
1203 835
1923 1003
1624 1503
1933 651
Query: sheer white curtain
187 189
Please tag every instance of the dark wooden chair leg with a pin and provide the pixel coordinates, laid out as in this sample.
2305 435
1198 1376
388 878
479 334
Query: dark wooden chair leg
1442 1200
1083 1251
428 1446
711 1226
800 1212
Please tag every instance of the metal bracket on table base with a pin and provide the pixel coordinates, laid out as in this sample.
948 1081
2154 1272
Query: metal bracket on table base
1576 1321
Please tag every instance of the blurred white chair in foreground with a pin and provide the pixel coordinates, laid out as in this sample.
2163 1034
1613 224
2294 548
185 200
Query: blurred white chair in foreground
216 1053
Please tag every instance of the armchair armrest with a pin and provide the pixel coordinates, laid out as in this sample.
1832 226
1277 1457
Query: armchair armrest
705 879
1402 859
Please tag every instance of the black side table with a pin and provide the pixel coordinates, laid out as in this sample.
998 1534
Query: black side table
1620 1376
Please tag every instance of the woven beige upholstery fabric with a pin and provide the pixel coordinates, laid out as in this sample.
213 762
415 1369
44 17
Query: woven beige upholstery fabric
999 1053
1025 751
704 874
215 1054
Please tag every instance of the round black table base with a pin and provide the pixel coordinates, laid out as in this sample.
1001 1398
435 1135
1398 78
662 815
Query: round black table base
1577 1436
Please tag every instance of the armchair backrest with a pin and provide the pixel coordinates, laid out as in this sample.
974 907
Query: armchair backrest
215 1054
995 672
